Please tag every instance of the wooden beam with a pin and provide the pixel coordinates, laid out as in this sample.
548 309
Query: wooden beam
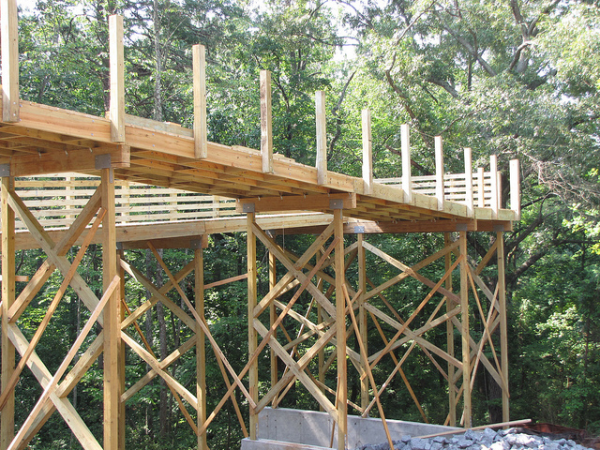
439 172
10 61
200 346
469 181
71 161
515 188
340 320
112 314
362 319
465 330
321 137
450 336
7 424
252 334
406 164
266 122
273 318
298 202
367 146
199 73
503 325
117 80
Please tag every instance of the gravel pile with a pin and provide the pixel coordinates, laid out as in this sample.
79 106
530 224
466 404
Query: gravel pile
511 439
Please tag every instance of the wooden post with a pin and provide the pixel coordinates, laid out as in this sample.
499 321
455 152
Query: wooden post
321 353
503 324
321 137
117 80
252 334
367 144
273 318
494 174
362 319
439 172
450 337
465 331
340 317
469 181
112 314
122 422
200 338
266 122
10 61
7 424
515 188
199 74
406 166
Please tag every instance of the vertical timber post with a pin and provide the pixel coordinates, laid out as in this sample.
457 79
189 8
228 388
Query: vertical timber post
321 356
503 324
340 320
321 137
362 318
112 326
367 144
465 331
450 338
7 424
117 80
273 318
122 423
439 172
200 131
200 338
252 335
10 61
266 122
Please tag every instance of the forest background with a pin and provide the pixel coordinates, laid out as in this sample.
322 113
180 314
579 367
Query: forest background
518 79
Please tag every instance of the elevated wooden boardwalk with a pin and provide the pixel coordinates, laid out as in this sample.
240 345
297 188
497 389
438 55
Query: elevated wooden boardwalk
122 181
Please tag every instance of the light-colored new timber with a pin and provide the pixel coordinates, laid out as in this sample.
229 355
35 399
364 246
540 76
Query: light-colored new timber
199 72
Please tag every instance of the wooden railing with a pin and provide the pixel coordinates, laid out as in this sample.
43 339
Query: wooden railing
56 200
455 187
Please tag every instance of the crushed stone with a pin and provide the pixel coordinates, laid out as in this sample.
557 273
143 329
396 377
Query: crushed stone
488 439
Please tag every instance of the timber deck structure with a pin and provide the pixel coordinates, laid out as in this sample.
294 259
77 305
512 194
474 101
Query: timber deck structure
72 179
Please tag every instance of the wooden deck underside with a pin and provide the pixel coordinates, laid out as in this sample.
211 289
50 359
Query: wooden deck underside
51 140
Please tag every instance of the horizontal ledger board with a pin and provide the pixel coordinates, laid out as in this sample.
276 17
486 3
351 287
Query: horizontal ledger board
297 202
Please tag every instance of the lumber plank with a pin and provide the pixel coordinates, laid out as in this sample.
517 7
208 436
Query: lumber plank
200 130
10 61
117 79
7 424
266 122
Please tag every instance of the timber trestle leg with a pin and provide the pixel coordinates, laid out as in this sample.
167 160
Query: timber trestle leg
99 212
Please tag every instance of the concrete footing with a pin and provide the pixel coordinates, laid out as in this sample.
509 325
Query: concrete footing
293 429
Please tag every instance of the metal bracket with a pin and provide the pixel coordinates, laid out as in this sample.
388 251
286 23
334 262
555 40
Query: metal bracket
196 244
499 228
4 170
461 227
119 246
103 161
336 204
359 229
248 208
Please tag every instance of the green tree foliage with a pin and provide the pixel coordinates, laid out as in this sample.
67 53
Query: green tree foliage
514 79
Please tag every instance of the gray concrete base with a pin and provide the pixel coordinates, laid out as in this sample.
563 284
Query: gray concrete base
293 429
